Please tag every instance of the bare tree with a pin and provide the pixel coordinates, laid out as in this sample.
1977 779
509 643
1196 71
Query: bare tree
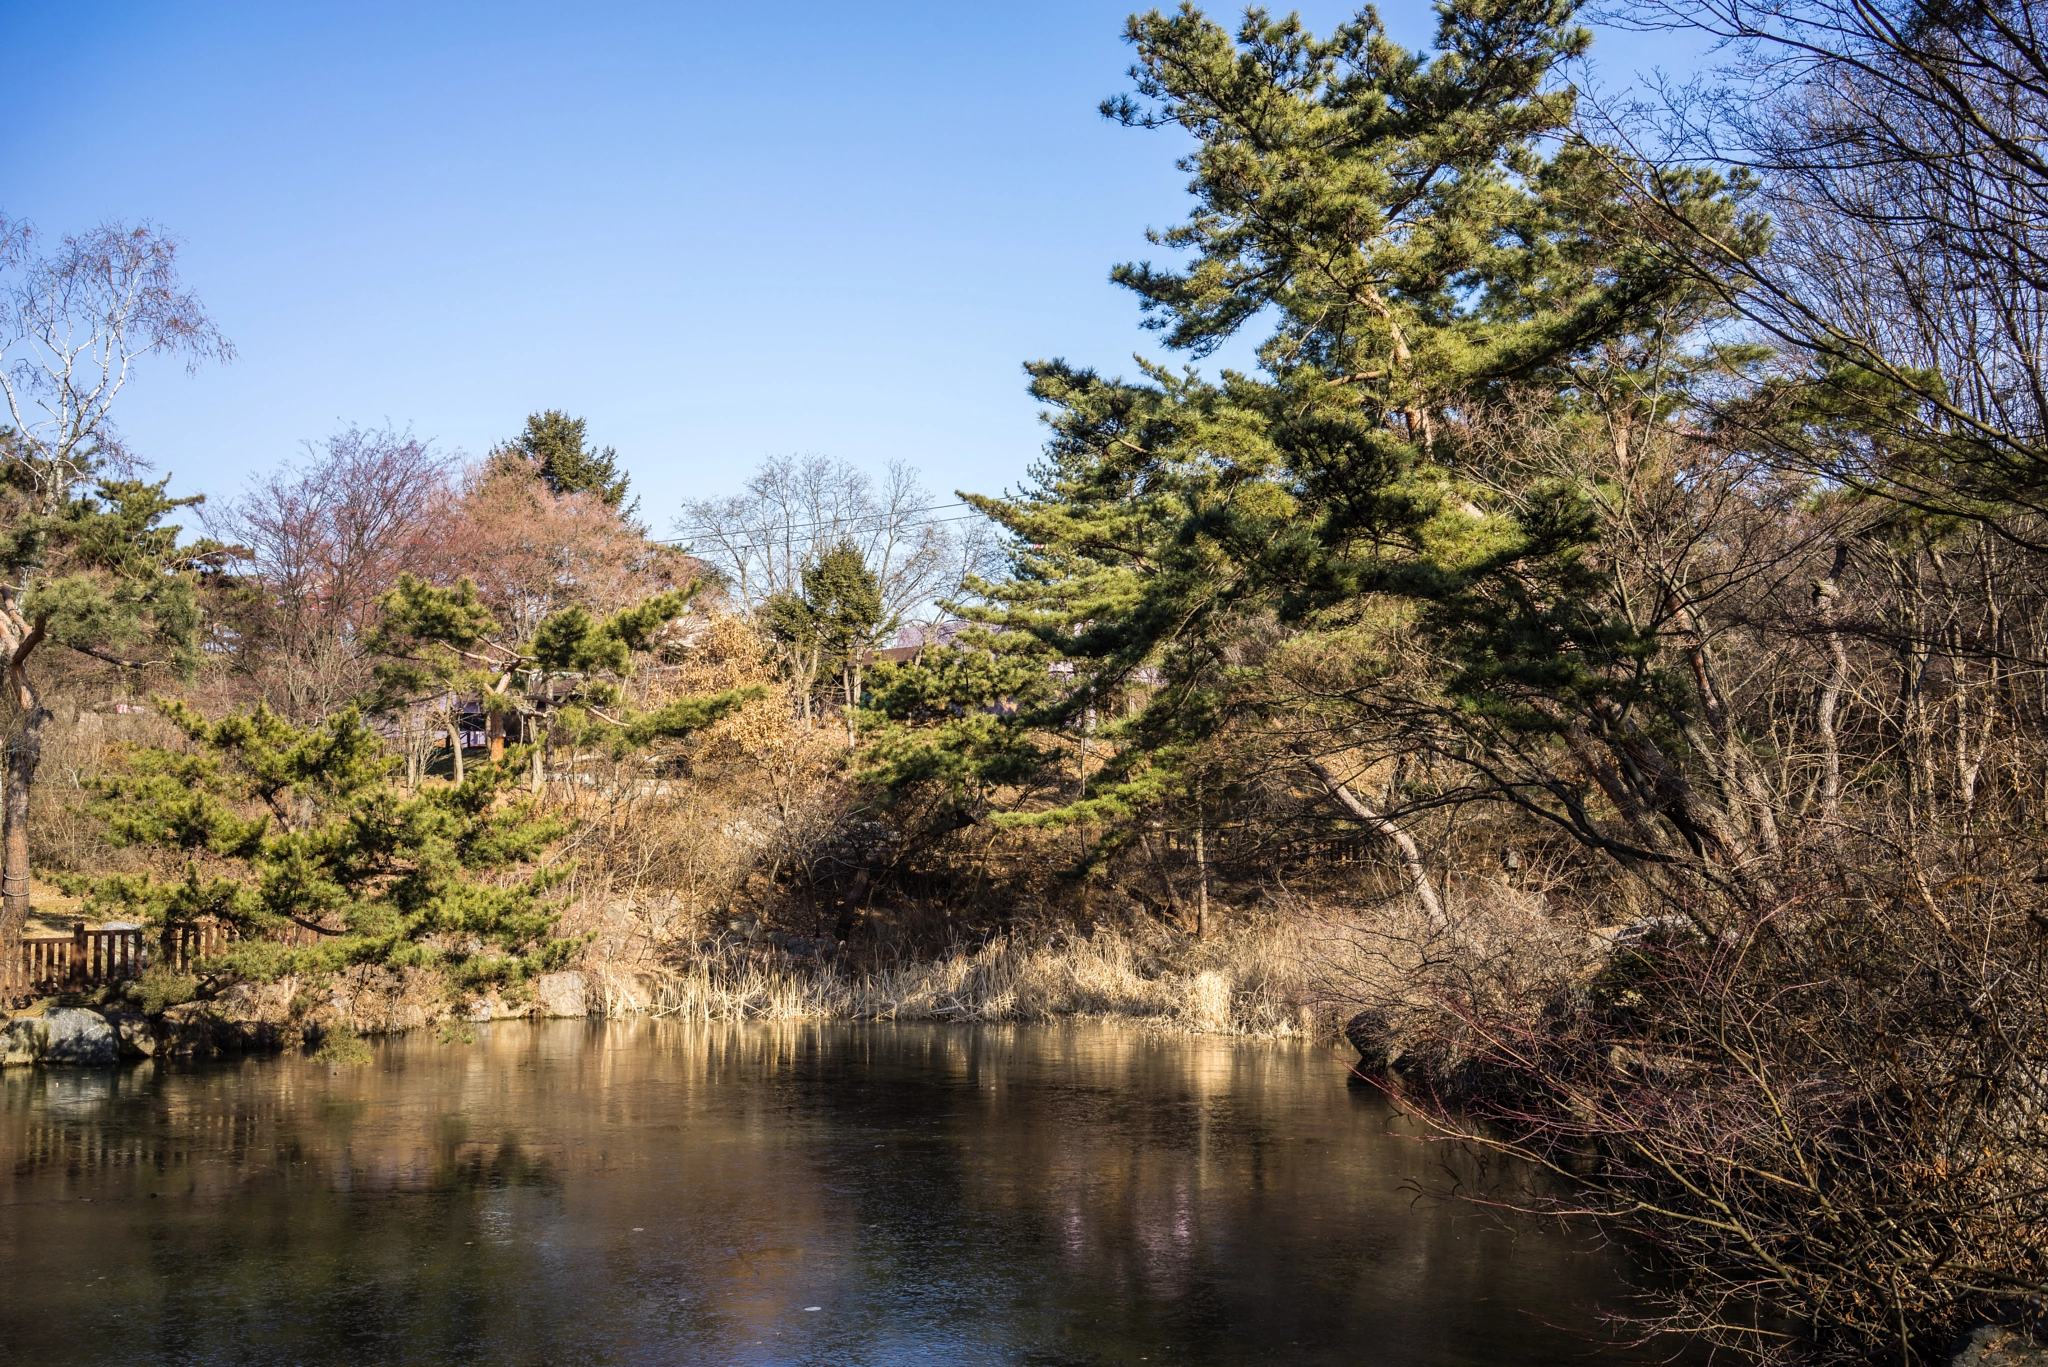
1898 147
797 511
797 508
326 535
74 322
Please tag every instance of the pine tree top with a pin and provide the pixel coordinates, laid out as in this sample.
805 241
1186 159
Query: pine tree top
557 445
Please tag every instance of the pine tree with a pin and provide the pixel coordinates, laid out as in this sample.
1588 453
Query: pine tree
556 445
96 572
283 825
1434 249
569 674
837 620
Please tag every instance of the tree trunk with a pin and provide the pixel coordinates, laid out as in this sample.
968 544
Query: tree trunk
24 755
852 681
849 906
1824 595
1728 759
455 745
1600 768
1404 844
494 718
1159 866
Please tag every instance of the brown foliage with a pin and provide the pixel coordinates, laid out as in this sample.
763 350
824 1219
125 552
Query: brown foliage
533 552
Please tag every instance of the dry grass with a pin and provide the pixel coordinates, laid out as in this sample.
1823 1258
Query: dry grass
64 837
1248 984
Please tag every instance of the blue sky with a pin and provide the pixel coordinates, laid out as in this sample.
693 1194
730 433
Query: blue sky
716 232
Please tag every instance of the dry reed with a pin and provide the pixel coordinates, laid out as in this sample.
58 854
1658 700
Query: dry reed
1248 984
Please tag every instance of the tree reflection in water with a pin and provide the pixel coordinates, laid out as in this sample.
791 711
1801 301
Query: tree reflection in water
652 1192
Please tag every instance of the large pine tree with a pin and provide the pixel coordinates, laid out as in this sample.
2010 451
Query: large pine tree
1437 258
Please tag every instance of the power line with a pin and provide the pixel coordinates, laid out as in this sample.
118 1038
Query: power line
859 520
756 545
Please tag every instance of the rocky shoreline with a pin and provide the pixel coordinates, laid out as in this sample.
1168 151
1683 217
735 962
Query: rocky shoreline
72 1031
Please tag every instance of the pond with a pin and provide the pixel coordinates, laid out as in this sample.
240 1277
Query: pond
651 1192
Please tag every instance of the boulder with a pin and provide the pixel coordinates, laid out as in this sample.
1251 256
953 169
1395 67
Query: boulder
241 1002
561 994
1373 1034
196 1030
21 1044
133 1030
1994 1346
492 1007
61 1036
187 1031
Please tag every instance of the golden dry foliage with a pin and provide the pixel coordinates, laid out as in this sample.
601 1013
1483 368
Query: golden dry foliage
1248 983
671 845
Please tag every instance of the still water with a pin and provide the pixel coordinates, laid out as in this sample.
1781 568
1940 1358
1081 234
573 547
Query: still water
647 1192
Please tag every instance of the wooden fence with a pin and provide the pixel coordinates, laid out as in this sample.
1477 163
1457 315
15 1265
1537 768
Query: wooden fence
88 958
182 946
1230 847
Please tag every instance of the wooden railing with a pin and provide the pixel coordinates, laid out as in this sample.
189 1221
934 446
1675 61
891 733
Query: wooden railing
182 946
88 958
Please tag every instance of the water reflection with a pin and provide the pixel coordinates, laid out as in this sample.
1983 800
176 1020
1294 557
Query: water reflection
648 1192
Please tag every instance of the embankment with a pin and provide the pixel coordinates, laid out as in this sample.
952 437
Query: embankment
1253 983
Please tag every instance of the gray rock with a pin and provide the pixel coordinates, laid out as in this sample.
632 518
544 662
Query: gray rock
406 1016
137 1039
192 1031
21 1043
561 994
1994 1346
492 1007
62 1036
195 1030
241 1002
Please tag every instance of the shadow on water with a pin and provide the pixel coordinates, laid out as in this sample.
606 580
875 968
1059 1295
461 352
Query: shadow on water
647 1192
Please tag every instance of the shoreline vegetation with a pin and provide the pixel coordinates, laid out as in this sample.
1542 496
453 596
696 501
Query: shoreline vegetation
1249 986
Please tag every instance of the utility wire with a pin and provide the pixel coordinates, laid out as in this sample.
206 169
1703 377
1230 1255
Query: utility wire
748 542
826 522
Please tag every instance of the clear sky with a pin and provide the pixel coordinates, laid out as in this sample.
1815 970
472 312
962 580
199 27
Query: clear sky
716 232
